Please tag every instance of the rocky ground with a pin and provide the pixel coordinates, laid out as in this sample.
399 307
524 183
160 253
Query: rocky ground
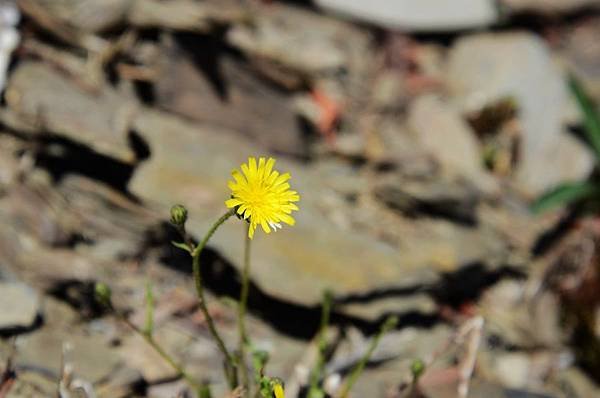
417 138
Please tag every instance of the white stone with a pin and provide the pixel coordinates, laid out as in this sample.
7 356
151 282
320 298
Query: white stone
486 68
549 6
445 135
421 15
18 306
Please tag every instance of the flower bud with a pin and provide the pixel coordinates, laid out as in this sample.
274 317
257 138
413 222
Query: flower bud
417 368
178 215
102 293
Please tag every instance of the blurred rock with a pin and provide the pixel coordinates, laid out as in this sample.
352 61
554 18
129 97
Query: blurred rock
520 320
389 91
203 81
186 15
581 49
86 15
453 200
92 16
178 388
575 382
123 382
33 384
481 387
44 97
486 68
419 16
138 354
445 135
513 369
549 6
9 36
405 344
302 41
89 355
19 307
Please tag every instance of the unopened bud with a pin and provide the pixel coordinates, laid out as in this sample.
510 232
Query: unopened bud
417 368
102 293
178 215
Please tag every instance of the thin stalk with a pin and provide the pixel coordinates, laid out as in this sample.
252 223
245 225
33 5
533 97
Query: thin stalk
317 373
242 314
230 365
198 387
360 366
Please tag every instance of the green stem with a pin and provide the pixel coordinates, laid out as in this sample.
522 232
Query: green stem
242 314
198 387
317 373
389 324
229 360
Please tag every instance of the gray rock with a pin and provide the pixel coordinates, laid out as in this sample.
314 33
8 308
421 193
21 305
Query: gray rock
549 6
87 15
575 382
191 165
33 384
446 136
138 354
453 200
512 369
582 51
300 41
54 101
19 306
423 15
89 355
245 103
485 68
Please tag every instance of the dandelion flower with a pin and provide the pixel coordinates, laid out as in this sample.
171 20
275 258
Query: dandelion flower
262 196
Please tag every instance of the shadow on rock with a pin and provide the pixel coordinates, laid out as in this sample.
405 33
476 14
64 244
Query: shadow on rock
302 321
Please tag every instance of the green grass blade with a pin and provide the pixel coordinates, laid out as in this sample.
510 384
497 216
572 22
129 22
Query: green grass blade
149 324
564 194
591 118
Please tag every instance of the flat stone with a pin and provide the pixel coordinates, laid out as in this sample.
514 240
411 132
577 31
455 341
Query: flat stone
89 355
191 165
300 40
56 102
441 130
438 198
19 307
89 16
187 90
512 369
575 380
549 6
486 68
419 16
33 384
138 354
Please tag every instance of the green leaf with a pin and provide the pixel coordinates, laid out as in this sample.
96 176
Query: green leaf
591 118
149 324
564 194
182 246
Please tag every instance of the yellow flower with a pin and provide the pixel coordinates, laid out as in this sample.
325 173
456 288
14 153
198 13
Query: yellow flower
262 196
